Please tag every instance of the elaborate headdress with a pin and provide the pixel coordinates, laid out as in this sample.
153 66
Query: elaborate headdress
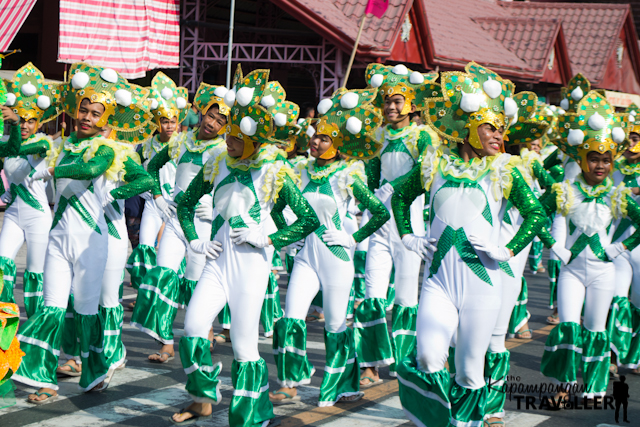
464 101
350 120
526 126
302 137
549 114
31 97
399 80
124 103
209 95
575 90
633 124
594 126
167 100
285 113
249 120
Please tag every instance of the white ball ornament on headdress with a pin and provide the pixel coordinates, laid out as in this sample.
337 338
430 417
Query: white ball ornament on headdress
596 121
577 94
11 99
575 137
300 121
248 126
377 80
493 88
220 91
510 108
514 120
181 102
230 97
324 106
633 113
564 104
470 102
354 125
400 70
244 96
109 75
123 97
310 131
280 119
267 101
28 89
154 104
416 78
166 93
79 80
43 102
618 135
550 130
349 100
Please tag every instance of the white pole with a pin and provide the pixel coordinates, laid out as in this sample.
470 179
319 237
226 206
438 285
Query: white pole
230 50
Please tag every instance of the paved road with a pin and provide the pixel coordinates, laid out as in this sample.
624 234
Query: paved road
147 394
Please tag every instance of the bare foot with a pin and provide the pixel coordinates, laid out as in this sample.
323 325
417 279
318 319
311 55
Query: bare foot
371 373
559 397
279 396
223 336
165 352
356 305
40 395
203 409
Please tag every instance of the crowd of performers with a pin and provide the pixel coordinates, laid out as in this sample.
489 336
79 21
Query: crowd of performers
358 200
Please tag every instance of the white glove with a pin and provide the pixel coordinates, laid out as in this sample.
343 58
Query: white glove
108 199
147 195
614 249
212 249
204 212
6 197
561 252
421 245
384 193
40 175
167 208
499 253
251 236
338 238
297 245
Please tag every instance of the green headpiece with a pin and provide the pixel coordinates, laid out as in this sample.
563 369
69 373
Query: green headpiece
304 133
526 126
350 120
594 126
575 90
167 100
285 113
390 80
633 124
208 95
549 114
125 104
466 100
30 97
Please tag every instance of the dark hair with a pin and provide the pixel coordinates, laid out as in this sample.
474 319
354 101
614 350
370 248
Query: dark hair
305 109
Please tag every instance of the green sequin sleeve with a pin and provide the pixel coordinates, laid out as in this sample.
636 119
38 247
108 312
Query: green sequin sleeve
137 181
633 212
379 213
424 140
406 191
88 170
548 202
551 160
307 220
544 178
186 209
373 169
154 166
11 147
38 147
532 212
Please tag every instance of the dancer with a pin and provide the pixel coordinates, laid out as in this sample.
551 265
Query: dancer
400 92
461 294
77 249
161 291
589 209
346 125
30 103
249 180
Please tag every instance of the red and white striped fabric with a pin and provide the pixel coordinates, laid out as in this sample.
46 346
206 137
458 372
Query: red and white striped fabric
130 36
12 15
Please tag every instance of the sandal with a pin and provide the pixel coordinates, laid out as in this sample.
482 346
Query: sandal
553 319
371 382
314 318
352 398
288 399
273 422
162 359
223 336
520 333
131 305
493 423
72 372
194 417
50 398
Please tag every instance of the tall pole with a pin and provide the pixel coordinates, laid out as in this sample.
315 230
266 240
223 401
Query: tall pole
230 50
353 52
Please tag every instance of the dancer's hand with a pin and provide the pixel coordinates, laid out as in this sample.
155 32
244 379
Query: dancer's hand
338 238
147 195
614 250
43 175
297 245
496 252
204 212
561 252
166 207
108 199
6 197
421 245
212 249
252 236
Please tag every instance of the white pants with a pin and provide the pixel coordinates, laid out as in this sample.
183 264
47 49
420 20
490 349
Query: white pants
75 260
22 222
116 260
150 224
634 258
173 246
624 274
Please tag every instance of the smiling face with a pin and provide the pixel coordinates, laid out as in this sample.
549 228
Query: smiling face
235 146
167 128
319 145
393 106
28 128
632 157
599 165
211 124
535 145
88 116
491 139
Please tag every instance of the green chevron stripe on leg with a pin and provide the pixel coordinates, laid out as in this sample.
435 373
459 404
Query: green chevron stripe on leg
341 372
224 317
424 397
186 291
520 315
40 340
112 318
70 342
391 290
632 360
468 406
553 268
373 344
563 353
596 357
451 361
496 369
33 294
157 304
359 263
141 260
403 333
250 405
271 309
620 327
8 268
94 364
290 353
203 384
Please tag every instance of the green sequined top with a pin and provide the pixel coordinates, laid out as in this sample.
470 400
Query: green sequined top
136 179
11 147
72 165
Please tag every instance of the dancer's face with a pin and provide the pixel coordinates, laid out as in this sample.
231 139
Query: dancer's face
235 146
393 106
88 116
211 124
535 146
491 139
599 167
28 128
634 139
319 145
167 128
